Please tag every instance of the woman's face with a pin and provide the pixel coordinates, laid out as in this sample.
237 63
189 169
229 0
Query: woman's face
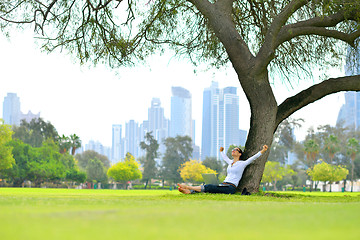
236 152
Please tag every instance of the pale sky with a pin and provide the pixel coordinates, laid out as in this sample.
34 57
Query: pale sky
87 101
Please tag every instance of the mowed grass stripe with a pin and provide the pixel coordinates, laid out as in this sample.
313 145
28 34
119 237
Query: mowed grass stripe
149 214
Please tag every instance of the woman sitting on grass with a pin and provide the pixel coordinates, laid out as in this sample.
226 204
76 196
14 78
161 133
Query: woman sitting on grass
234 173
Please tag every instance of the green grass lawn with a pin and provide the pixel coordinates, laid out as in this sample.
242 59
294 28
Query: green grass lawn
159 214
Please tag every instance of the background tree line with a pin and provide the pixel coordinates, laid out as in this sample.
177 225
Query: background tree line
331 147
336 148
36 152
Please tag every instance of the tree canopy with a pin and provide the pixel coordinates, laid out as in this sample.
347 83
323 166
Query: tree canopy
96 171
6 157
40 164
178 151
284 140
151 146
127 170
35 132
84 158
192 170
118 32
261 39
327 173
214 164
94 164
274 173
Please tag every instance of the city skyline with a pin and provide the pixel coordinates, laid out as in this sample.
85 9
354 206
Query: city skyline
220 122
89 100
224 101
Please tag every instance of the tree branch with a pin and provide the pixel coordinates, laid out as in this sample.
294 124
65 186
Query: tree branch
316 92
317 26
320 31
282 18
16 22
322 21
202 5
267 50
100 4
221 21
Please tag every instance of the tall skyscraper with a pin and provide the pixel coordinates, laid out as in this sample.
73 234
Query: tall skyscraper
156 117
208 95
117 144
242 135
11 109
157 123
349 113
220 120
181 122
132 138
231 132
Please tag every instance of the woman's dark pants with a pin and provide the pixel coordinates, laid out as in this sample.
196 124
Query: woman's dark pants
222 188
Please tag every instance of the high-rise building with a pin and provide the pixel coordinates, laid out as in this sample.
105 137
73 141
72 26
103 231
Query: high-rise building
29 116
181 122
220 126
12 114
230 132
155 116
132 138
11 109
242 135
157 123
349 114
206 120
117 144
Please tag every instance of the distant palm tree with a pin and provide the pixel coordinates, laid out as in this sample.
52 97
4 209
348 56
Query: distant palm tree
311 151
353 148
332 146
64 143
75 143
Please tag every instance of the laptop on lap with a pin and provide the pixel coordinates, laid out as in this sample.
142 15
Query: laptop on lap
210 178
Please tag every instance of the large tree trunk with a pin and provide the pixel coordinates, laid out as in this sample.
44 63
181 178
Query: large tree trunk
262 127
254 81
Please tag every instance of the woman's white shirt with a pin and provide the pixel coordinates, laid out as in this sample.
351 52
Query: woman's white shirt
236 170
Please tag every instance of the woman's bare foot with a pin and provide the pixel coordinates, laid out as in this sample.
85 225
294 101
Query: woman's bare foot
184 191
183 186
